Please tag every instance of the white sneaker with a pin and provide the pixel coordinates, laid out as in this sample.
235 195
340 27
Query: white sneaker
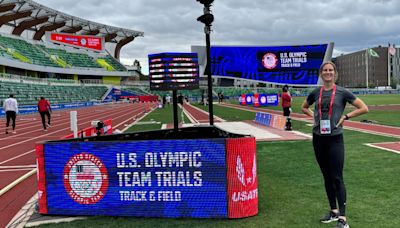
45 130
14 132
48 125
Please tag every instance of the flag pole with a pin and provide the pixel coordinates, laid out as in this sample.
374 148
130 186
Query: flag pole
388 59
366 67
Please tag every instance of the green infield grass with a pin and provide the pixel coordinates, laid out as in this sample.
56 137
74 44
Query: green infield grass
291 190
375 115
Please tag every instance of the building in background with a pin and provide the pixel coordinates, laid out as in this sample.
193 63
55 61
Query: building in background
374 67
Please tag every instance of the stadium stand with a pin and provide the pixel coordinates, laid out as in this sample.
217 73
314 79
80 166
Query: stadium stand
54 55
135 90
113 62
29 94
25 52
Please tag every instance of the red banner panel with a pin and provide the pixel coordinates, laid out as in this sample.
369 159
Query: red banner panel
41 176
256 102
242 177
243 99
95 43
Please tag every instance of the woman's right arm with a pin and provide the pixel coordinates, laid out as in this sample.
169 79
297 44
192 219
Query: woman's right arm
305 108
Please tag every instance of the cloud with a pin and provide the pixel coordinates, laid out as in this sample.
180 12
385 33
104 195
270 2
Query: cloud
171 25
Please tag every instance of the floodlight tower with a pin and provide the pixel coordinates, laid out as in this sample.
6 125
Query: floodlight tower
207 18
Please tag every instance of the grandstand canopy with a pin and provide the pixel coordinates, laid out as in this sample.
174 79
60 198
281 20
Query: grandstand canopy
28 15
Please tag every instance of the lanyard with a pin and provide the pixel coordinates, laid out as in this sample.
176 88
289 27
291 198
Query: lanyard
330 105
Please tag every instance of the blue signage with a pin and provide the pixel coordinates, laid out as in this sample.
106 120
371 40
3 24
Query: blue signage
249 99
149 178
33 108
295 65
117 94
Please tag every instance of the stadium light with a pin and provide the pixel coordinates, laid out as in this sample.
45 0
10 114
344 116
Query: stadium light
207 18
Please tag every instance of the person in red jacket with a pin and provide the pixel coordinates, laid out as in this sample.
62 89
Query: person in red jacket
286 105
44 110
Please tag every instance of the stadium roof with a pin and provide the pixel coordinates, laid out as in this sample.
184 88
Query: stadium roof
28 15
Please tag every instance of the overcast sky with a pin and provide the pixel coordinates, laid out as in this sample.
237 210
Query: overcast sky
171 26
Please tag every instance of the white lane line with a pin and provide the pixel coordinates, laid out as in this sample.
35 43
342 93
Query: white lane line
136 121
201 110
382 148
18 156
17 166
14 170
17 181
189 115
40 136
24 214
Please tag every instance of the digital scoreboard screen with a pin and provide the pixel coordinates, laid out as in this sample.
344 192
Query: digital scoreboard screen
294 65
174 71
150 178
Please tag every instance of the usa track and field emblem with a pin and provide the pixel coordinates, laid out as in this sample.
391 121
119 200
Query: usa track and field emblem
269 61
85 178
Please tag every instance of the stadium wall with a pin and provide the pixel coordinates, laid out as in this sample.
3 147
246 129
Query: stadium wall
109 80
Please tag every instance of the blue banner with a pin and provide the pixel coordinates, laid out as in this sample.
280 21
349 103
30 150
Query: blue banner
34 108
152 178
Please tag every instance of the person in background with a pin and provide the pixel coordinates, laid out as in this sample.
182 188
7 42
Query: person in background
287 106
164 100
330 101
44 110
180 99
168 98
10 107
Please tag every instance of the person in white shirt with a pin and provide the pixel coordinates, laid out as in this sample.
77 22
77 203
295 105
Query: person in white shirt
10 107
168 99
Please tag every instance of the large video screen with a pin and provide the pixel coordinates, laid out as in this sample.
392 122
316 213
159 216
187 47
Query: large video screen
174 71
94 43
151 178
294 65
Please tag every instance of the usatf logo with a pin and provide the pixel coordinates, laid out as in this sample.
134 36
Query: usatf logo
249 191
270 61
85 178
241 175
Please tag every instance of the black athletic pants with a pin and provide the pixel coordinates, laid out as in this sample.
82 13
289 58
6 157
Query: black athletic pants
286 113
42 115
329 152
11 115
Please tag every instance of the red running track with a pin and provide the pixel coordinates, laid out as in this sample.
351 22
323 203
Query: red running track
17 151
198 115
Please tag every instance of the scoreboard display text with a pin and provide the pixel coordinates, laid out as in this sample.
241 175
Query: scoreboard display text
173 71
294 65
150 178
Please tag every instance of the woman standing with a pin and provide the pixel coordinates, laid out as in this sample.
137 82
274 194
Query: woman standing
330 101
